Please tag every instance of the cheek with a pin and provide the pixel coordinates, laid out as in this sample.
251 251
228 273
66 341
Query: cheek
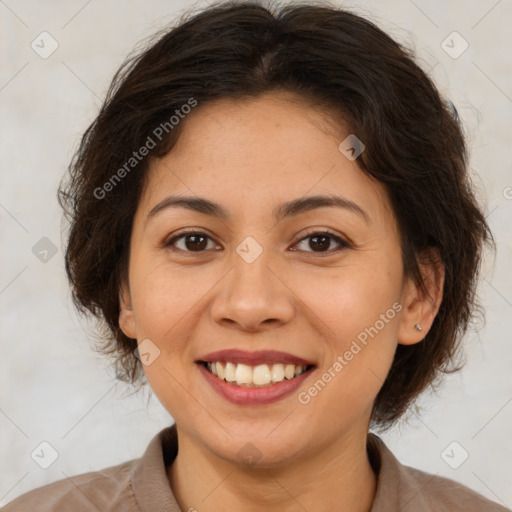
358 294
163 296
165 302
359 323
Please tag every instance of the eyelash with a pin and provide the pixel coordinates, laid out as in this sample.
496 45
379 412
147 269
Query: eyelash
343 243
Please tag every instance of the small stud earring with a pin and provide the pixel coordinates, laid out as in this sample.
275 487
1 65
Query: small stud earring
418 327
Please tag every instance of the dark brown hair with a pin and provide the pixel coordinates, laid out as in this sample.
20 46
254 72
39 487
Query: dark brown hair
333 58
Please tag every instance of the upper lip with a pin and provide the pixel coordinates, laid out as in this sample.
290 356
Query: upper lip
254 358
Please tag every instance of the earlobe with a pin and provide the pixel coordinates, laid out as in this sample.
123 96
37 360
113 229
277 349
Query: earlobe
126 313
420 308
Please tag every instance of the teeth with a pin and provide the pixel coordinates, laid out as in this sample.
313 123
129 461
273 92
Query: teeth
262 375
277 372
289 371
229 372
243 374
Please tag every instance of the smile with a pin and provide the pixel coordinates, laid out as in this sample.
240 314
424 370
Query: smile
251 394
263 375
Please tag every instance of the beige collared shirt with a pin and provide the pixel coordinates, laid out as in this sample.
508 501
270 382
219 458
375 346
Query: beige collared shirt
141 485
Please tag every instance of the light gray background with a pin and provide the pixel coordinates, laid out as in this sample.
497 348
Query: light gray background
55 389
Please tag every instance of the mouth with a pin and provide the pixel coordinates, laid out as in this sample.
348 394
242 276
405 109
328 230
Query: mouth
260 376
254 378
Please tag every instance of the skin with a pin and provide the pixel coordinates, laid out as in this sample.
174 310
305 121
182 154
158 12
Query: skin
250 156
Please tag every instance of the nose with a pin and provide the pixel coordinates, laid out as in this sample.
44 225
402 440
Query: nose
253 297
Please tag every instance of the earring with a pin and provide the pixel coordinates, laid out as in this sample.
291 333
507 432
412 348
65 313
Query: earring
418 327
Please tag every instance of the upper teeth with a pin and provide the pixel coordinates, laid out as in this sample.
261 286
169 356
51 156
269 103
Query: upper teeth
249 376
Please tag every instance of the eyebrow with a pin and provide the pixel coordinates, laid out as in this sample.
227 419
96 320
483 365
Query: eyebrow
288 209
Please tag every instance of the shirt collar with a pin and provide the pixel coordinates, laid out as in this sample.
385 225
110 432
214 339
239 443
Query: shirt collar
149 476
395 490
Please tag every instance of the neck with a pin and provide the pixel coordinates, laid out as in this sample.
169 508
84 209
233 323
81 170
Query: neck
337 477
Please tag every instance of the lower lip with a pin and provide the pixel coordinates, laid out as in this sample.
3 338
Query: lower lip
240 395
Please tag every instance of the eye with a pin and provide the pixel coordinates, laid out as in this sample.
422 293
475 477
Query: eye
197 241
320 241
193 241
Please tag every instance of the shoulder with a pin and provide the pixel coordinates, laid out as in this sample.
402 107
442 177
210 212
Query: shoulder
443 494
107 490
407 489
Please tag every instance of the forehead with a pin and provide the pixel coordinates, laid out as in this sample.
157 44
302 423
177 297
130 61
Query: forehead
261 151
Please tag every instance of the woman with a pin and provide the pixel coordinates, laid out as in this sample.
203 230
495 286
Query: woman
271 213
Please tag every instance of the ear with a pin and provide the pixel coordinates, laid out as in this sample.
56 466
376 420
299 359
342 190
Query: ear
420 309
126 313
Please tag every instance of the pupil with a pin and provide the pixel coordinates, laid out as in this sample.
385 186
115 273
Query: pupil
324 244
317 243
194 245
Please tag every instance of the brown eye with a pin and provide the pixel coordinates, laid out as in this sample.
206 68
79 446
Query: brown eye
321 242
191 242
196 241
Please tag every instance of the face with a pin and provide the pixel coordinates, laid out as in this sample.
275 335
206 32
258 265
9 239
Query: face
258 283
